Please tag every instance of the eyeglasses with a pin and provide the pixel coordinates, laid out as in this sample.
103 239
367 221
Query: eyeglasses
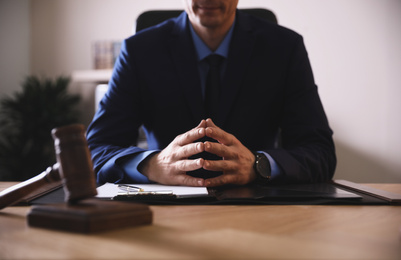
130 188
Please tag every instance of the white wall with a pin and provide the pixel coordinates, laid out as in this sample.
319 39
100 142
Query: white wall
354 48
14 44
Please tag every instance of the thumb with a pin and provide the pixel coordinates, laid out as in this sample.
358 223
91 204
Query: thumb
210 123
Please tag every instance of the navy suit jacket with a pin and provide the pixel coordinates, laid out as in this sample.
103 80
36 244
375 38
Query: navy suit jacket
268 91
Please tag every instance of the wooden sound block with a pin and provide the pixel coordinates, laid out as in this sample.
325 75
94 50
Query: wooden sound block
89 216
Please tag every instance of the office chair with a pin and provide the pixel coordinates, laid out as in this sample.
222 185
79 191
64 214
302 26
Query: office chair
153 17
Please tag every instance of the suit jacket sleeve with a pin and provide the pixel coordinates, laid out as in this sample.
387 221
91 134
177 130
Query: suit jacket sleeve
307 152
113 133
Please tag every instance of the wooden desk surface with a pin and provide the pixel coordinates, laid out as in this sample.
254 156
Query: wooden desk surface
221 232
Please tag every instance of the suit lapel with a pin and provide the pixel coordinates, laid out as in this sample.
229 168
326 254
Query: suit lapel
238 59
184 59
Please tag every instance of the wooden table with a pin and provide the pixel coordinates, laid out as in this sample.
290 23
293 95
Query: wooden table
221 232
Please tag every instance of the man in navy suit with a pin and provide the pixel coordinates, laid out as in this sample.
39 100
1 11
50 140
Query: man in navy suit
268 125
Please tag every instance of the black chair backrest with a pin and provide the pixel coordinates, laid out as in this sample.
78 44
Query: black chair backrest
150 18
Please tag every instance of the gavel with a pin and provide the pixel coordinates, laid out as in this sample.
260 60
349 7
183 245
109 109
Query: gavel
74 169
80 213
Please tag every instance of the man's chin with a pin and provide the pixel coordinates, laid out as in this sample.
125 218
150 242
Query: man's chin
210 22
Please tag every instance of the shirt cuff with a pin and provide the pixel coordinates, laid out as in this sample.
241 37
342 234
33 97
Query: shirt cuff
275 169
130 166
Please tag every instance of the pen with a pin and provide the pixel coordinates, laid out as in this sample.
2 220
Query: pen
128 187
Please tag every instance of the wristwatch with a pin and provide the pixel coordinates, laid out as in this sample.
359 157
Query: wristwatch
262 167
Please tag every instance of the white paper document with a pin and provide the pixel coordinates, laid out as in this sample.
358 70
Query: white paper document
110 190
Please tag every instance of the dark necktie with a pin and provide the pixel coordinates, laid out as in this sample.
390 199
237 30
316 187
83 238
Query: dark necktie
212 91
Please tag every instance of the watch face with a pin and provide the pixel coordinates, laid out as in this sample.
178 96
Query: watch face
263 166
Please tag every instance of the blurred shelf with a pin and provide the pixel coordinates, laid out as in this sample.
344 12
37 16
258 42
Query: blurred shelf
96 76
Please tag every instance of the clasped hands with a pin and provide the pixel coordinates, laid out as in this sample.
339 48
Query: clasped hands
171 164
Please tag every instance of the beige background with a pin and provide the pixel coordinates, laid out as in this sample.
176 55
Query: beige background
354 48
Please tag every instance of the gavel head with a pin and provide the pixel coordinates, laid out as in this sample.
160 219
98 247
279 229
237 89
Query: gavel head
75 164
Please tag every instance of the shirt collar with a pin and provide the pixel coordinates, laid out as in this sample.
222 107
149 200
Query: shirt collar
203 51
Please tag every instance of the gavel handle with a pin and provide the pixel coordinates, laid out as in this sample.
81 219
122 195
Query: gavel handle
16 193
